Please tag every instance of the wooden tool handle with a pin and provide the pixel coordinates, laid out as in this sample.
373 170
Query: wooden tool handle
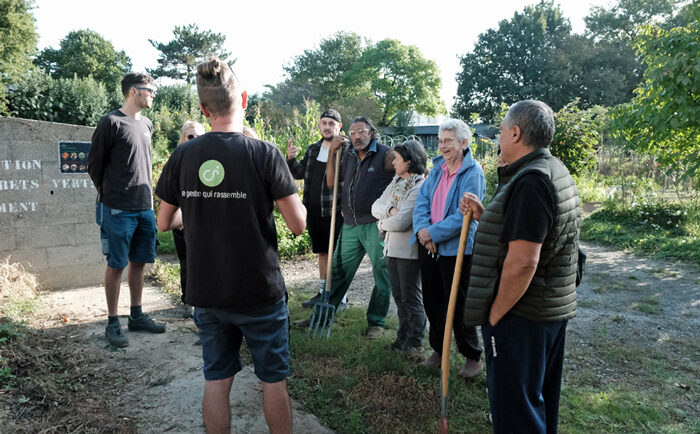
447 339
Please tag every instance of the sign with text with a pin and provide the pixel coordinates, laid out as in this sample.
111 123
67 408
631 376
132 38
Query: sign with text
72 156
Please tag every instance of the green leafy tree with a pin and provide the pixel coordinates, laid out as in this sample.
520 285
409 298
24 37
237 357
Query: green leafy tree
84 53
17 44
398 77
354 76
318 74
519 60
190 46
622 20
664 117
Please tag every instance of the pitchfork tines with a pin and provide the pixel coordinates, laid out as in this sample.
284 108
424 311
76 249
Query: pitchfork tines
324 313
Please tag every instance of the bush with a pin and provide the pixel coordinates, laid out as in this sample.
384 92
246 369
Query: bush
79 101
575 137
288 244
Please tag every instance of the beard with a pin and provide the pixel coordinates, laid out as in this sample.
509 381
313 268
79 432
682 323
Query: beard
360 146
328 136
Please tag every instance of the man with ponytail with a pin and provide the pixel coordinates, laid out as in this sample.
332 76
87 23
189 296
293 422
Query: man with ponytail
223 186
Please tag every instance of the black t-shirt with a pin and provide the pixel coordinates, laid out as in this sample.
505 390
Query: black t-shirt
225 184
119 161
529 209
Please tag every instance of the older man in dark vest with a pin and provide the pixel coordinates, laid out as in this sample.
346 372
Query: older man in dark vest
523 280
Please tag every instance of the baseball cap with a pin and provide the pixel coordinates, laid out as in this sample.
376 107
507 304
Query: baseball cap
333 114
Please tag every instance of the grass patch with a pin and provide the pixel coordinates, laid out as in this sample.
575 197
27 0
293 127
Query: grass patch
628 387
651 228
167 275
650 305
166 244
356 386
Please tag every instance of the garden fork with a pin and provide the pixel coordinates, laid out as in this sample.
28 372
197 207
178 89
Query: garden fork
324 312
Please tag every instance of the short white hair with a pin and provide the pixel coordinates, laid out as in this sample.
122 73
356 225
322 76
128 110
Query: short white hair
199 128
461 130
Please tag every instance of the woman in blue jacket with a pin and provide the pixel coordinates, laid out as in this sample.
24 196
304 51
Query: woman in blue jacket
437 223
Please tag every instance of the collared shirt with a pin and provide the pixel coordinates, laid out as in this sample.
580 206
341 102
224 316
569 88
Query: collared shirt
437 209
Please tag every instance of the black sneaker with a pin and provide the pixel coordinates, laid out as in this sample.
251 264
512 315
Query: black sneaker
116 336
308 304
146 324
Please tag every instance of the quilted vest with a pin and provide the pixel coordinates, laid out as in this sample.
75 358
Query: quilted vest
551 295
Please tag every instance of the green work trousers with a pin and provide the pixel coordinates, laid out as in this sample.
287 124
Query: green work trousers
353 243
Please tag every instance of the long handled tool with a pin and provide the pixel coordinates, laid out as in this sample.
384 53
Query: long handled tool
324 312
447 339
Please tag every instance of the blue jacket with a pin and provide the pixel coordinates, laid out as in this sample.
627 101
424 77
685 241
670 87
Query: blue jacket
445 233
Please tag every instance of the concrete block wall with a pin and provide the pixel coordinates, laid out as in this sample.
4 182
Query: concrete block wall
47 218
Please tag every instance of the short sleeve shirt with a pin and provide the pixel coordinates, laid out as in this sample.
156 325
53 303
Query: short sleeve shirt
119 161
529 209
226 185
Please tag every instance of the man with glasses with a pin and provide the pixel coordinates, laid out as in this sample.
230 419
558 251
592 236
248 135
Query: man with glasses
119 164
365 171
318 197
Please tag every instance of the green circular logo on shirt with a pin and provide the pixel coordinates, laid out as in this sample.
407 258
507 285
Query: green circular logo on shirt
211 173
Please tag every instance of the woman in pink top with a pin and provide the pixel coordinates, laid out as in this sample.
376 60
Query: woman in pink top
437 223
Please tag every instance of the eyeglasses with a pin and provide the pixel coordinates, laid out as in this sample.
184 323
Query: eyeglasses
445 142
358 132
149 89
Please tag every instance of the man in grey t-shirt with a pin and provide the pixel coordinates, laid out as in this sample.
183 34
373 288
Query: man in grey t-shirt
119 164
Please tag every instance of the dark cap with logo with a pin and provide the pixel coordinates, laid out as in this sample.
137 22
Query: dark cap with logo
333 114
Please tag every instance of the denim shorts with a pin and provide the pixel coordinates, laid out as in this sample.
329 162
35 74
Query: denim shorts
266 333
126 235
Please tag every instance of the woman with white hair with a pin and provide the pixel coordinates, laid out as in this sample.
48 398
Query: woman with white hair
437 224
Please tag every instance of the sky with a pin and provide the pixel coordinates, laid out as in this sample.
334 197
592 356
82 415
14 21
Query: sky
266 35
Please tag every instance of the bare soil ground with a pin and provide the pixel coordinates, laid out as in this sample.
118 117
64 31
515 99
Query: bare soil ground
156 384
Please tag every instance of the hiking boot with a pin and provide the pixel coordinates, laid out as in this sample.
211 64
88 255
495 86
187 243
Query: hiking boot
374 332
394 346
433 361
308 304
146 324
116 336
341 307
415 354
471 369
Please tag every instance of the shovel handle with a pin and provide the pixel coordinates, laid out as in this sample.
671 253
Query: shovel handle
329 264
447 338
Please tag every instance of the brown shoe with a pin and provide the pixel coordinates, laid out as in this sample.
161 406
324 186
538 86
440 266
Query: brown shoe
374 332
433 361
471 369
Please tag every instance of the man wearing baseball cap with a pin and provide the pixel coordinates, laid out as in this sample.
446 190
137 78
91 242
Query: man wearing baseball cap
318 197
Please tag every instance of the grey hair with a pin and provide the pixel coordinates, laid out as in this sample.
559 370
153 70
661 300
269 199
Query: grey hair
536 122
461 130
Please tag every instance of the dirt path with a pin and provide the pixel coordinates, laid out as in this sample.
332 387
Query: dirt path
161 374
158 381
